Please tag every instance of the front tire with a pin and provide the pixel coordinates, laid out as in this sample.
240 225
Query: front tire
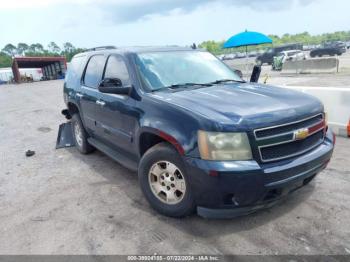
164 181
80 135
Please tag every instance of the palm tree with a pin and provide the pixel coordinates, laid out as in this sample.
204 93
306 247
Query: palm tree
10 49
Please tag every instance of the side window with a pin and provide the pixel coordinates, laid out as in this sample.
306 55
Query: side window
75 68
94 70
116 68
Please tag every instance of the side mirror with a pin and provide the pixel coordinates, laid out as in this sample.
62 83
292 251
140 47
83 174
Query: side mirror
113 86
254 78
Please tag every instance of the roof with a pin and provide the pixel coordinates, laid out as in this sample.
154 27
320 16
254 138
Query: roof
137 49
37 62
141 49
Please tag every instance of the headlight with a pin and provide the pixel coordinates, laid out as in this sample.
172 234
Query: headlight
224 146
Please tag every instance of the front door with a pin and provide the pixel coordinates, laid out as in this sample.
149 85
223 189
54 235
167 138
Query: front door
116 119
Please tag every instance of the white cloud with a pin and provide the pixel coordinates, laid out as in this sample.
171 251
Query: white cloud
89 23
15 4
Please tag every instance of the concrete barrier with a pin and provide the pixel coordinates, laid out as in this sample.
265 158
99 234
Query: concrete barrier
242 65
309 66
336 101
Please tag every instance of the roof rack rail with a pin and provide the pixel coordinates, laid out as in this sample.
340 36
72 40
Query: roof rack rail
100 48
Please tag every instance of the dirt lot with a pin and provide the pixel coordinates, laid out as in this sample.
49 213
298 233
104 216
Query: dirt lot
61 202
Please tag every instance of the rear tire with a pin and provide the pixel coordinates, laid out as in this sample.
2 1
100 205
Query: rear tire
164 181
80 135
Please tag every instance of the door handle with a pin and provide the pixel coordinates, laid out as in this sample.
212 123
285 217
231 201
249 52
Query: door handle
101 103
79 95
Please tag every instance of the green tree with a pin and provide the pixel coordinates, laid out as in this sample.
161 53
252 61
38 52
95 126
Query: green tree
69 51
39 48
36 48
54 48
10 49
68 48
31 48
22 48
212 46
5 60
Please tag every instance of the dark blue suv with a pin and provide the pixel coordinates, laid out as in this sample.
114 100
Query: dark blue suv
200 138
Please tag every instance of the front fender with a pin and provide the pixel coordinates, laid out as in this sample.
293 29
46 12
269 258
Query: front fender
174 126
164 135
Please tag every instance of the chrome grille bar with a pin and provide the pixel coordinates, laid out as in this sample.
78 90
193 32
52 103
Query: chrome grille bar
280 138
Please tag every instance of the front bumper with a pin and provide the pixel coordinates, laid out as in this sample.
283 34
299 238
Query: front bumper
225 189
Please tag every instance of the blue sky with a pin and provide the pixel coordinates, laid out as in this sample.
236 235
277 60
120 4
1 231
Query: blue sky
87 23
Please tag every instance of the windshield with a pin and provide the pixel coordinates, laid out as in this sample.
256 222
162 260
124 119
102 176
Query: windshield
164 69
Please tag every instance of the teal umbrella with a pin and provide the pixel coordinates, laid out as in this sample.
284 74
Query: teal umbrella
246 39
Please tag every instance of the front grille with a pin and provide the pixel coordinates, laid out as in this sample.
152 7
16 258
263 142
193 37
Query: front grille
271 131
281 142
291 149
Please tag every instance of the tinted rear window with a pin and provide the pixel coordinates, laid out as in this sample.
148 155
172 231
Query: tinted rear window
94 70
75 68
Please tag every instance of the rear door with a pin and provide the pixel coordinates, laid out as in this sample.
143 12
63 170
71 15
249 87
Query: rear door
89 94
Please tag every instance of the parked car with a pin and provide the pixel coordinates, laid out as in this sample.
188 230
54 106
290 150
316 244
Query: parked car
252 54
240 55
199 137
291 55
267 57
229 57
347 44
220 57
309 47
329 49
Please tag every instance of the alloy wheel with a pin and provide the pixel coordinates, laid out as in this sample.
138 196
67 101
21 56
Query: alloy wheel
167 182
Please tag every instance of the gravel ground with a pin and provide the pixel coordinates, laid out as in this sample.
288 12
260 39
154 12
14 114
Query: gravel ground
61 202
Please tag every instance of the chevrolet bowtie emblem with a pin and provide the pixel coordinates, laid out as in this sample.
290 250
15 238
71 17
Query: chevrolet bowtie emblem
301 134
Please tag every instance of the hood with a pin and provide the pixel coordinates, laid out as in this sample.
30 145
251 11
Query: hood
245 104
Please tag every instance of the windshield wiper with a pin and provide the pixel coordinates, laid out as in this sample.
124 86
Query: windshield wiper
220 81
160 89
174 86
